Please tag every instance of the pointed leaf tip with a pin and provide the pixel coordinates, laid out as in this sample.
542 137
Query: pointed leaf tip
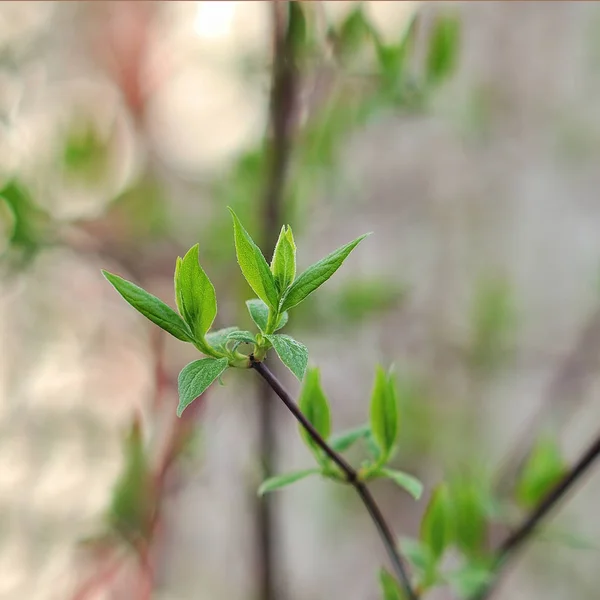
151 307
253 265
195 293
317 274
315 407
384 413
281 481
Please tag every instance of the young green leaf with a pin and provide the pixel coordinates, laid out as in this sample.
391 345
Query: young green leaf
195 294
469 507
131 503
241 336
354 33
542 471
317 274
315 407
253 265
293 354
384 414
297 30
217 339
407 482
195 378
283 265
389 586
436 524
280 481
259 312
443 48
151 307
342 441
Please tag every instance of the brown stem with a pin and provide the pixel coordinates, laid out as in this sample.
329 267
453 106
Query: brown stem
284 86
516 539
383 528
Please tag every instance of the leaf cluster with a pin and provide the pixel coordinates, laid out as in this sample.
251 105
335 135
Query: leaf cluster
278 290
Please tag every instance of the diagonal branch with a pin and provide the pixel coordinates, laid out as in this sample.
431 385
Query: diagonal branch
514 541
384 530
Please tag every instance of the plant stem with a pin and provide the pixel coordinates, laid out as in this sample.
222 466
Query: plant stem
516 539
283 95
382 526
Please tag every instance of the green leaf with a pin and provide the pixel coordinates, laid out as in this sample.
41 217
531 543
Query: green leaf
242 336
443 48
283 265
297 29
389 586
151 307
259 312
392 57
469 507
131 502
253 265
317 274
280 481
195 294
218 339
384 413
544 468
343 441
354 32
195 378
315 407
409 483
293 354
436 524
469 580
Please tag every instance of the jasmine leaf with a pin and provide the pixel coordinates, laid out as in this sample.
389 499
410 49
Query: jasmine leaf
196 377
317 274
151 307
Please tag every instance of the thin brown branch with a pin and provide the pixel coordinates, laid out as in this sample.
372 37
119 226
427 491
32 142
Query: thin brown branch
516 539
384 530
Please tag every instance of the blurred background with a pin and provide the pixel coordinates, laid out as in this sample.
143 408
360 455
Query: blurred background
466 136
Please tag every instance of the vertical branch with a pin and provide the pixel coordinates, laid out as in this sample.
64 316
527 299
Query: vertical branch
281 113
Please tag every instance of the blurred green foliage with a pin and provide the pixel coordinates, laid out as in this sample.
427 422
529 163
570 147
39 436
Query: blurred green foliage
444 46
132 505
544 468
494 323
30 228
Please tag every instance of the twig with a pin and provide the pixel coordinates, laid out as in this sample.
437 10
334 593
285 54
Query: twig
565 390
383 528
514 541
281 112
